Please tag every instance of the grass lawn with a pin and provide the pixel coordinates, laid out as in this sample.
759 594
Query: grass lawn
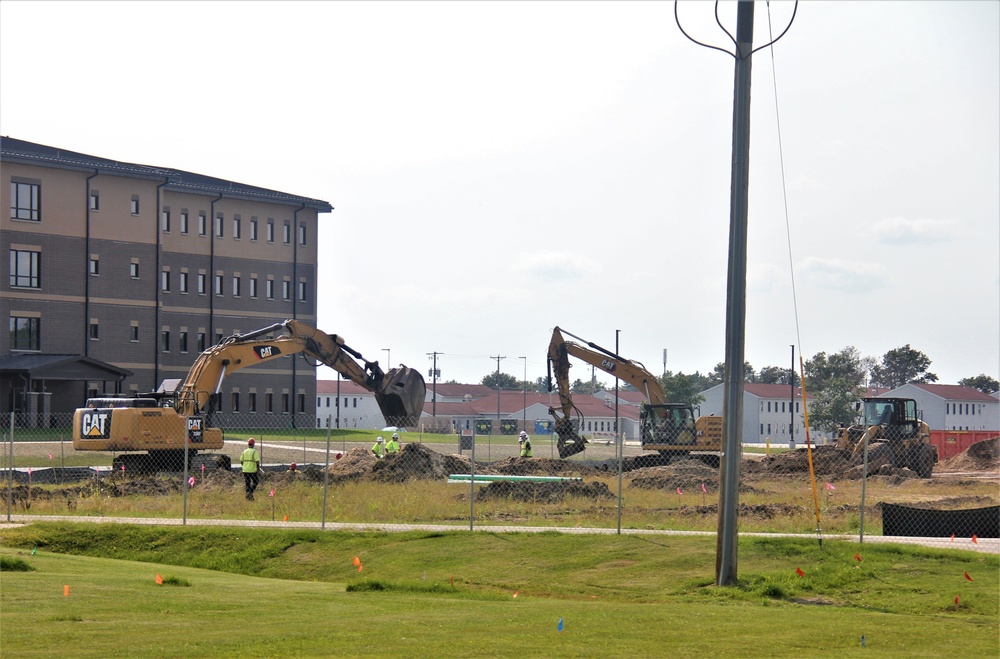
298 593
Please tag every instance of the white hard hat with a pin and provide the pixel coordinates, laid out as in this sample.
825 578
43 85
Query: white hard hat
379 440
395 435
524 434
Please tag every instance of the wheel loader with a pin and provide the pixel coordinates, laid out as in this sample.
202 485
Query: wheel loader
894 434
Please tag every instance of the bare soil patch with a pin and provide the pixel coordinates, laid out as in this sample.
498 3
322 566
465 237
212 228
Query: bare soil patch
981 456
542 492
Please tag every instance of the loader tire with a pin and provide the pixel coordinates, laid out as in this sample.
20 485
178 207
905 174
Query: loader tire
923 461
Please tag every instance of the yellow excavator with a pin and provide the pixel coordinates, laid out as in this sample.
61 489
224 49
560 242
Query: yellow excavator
894 433
670 428
163 423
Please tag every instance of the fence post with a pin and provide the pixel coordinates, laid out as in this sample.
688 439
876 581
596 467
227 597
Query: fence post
864 484
326 474
472 483
10 464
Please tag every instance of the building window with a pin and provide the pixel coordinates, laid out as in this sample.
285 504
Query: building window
253 228
25 268
218 338
133 333
302 291
302 403
95 200
219 233
236 286
236 228
284 403
135 205
182 340
94 330
133 270
25 333
302 234
165 281
184 222
269 289
201 342
202 283
95 265
253 287
183 282
202 224
270 231
218 284
165 340
286 233
25 201
269 403
165 220
252 402
236 401
286 290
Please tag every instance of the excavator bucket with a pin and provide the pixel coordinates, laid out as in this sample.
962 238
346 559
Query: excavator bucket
571 447
401 395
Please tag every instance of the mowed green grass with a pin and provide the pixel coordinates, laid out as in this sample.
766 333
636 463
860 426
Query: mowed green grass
297 593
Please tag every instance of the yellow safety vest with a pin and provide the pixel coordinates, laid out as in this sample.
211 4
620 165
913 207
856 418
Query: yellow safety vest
249 458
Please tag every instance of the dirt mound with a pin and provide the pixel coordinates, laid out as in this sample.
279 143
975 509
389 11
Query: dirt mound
541 467
416 462
353 465
543 492
688 475
827 461
981 456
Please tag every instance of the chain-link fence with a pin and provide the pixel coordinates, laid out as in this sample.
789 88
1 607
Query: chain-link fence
91 465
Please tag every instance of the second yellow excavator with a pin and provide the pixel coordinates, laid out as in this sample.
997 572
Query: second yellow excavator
669 428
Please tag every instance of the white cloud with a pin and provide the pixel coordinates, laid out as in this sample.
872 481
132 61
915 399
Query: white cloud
554 266
837 274
902 231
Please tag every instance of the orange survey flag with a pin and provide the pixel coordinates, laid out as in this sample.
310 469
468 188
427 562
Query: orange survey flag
159 580
799 572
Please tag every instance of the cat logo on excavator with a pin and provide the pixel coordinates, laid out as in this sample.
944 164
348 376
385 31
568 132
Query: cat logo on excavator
95 424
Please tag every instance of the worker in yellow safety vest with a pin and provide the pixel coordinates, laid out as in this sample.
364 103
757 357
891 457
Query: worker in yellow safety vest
525 443
250 459
392 446
377 448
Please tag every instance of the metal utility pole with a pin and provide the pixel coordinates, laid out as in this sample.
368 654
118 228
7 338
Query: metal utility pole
524 388
732 401
388 358
498 358
791 402
434 383
664 361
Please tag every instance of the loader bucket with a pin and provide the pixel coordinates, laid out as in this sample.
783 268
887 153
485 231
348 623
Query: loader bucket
401 396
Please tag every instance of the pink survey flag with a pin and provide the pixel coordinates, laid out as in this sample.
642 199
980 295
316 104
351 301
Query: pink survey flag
830 486
703 488
679 491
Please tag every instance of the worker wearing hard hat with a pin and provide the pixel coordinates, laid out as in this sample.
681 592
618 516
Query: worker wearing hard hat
525 443
377 448
392 446
250 459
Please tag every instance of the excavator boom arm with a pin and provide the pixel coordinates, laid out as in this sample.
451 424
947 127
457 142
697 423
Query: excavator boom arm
399 393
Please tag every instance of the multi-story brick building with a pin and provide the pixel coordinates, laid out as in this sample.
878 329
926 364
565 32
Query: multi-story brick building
121 274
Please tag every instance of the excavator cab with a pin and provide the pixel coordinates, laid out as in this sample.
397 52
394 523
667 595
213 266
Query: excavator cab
400 395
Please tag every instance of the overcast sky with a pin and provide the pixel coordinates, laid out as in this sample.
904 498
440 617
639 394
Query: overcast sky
500 168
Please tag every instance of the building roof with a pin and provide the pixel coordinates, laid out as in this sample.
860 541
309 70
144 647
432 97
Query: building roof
949 392
453 390
347 388
15 150
38 366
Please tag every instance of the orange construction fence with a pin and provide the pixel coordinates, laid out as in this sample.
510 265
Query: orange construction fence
950 443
